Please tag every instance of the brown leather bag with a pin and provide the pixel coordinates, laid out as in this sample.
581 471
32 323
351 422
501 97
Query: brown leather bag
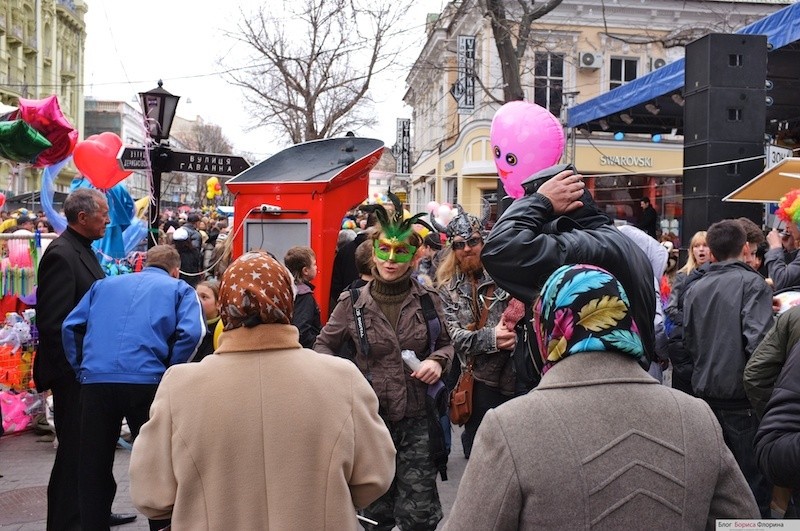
461 396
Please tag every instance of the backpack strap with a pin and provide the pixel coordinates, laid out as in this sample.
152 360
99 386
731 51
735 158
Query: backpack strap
361 327
529 336
431 319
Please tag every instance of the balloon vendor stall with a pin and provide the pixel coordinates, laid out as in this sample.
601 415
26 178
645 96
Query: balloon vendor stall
37 134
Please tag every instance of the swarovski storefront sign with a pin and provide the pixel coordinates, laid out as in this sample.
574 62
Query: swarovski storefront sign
626 160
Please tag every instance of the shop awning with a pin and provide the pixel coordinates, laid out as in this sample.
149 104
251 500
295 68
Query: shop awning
770 185
782 29
33 198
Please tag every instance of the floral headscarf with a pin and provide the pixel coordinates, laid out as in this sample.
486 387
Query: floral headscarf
256 289
584 308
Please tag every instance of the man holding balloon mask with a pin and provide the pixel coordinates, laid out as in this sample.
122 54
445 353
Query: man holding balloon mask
554 220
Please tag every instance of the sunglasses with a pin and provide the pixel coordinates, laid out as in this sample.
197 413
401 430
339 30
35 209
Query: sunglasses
472 242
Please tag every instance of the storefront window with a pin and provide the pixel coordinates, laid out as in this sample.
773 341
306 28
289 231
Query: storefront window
619 197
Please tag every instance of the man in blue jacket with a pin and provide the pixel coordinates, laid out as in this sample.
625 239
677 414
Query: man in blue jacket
120 339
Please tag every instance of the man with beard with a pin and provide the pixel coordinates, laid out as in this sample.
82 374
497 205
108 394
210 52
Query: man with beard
474 308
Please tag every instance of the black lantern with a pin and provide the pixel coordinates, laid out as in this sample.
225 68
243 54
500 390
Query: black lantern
158 107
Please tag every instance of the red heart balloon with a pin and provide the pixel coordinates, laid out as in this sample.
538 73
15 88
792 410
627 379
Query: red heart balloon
96 159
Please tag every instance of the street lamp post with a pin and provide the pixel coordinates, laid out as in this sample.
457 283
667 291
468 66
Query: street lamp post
158 107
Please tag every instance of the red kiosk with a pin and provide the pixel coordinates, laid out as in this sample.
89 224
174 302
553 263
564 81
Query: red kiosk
299 196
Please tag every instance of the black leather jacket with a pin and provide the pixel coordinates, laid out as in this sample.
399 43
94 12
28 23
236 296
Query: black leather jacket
778 437
528 243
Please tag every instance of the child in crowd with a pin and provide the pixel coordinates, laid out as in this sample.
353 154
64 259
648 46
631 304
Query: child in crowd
302 263
208 293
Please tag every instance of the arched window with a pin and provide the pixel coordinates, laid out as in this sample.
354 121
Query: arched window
478 159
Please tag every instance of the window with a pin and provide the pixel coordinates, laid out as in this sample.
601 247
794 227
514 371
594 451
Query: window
622 71
451 190
549 81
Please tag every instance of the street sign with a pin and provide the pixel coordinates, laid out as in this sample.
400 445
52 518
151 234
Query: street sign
775 154
132 158
208 163
135 158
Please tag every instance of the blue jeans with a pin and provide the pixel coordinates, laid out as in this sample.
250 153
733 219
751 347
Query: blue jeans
739 429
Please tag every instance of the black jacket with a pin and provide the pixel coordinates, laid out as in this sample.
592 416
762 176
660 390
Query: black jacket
528 243
306 315
778 439
649 221
726 314
68 269
345 270
679 355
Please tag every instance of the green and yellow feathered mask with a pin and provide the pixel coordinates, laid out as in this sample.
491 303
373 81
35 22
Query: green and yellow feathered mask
397 238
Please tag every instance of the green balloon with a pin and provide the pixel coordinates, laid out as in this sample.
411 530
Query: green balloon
20 142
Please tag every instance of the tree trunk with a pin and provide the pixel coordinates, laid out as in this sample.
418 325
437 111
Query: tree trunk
509 64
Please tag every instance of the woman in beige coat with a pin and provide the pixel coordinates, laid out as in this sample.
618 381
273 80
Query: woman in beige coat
263 434
599 444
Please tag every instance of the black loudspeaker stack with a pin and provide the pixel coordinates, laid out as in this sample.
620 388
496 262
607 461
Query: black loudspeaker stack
724 121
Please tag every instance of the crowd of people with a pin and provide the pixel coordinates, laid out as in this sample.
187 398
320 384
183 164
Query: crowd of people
564 322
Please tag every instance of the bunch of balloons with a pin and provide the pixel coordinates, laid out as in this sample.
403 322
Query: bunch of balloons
214 188
36 132
441 213
376 199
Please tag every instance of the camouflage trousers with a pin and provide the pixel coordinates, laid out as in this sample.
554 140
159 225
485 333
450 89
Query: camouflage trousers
412 502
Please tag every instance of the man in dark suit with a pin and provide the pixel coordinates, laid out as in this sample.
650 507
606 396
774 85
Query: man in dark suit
649 220
67 270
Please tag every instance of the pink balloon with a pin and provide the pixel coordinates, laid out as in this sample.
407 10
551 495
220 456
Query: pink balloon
445 213
526 139
46 117
432 207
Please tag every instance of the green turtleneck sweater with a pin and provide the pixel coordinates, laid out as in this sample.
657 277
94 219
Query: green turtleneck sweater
390 294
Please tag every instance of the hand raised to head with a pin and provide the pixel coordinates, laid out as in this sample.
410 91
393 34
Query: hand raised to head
564 191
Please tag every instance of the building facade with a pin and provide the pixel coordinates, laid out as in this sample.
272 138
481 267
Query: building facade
41 53
579 50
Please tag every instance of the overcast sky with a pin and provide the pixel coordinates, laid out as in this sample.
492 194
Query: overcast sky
131 45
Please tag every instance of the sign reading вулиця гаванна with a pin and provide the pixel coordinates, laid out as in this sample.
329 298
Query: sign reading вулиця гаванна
136 158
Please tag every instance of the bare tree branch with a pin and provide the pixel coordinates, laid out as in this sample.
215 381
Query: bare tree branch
320 57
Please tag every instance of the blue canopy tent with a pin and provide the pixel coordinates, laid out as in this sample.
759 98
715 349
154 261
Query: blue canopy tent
782 29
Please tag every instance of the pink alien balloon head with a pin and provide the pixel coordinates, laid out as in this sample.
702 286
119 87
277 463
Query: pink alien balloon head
526 138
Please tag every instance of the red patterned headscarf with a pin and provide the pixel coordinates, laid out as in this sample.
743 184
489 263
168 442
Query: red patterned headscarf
256 289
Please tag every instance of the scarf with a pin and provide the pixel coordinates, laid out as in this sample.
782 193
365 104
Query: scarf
583 308
256 289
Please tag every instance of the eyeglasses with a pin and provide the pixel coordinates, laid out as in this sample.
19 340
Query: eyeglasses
472 242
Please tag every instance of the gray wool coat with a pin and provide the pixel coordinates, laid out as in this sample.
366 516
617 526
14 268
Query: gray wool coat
599 444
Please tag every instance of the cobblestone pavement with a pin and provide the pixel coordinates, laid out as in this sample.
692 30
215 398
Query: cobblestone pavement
25 465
